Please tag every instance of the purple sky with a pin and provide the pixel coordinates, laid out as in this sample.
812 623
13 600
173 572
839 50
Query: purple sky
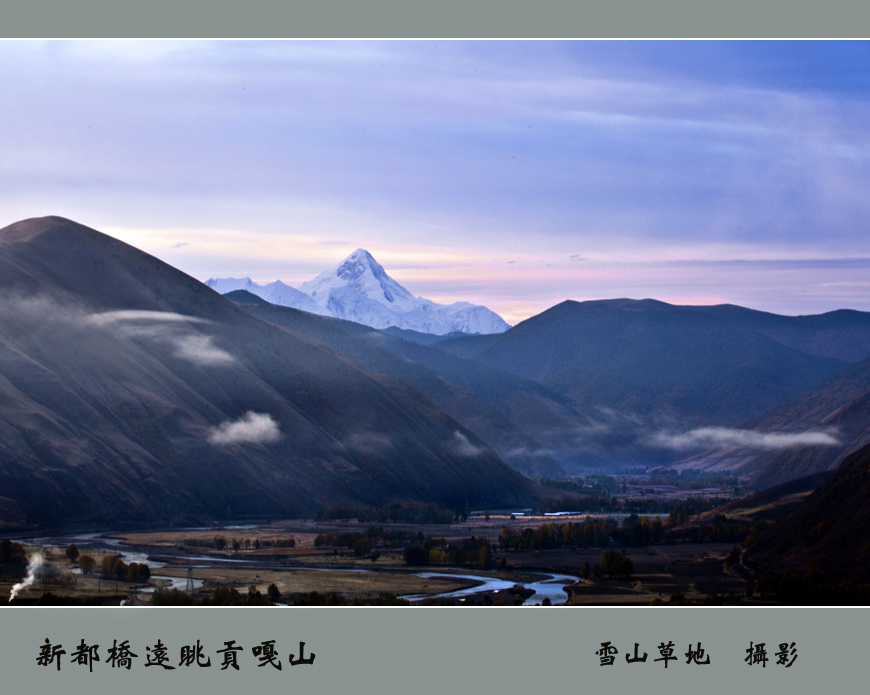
511 174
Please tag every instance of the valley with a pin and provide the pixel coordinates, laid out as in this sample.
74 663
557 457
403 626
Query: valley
310 574
712 548
691 444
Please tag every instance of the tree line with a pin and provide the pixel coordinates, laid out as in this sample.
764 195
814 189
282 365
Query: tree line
221 543
113 567
635 531
721 529
408 513
437 551
12 553
229 596
603 502
362 543
594 533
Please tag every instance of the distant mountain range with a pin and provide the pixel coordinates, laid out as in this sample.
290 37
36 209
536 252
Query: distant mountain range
612 384
274 293
359 289
673 365
699 386
129 390
523 421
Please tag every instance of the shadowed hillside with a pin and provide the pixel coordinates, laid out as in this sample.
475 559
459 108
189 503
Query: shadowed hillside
839 406
827 532
668 364
525 423
130 390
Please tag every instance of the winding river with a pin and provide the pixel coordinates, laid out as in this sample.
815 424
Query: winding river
549 587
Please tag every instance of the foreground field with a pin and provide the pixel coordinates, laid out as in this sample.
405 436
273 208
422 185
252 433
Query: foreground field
281 561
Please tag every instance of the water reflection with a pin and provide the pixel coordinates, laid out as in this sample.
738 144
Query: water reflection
550 588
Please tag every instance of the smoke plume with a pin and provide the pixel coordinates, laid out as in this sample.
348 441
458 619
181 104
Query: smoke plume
35 563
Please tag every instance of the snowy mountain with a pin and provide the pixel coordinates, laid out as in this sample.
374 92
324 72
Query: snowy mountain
359 289
274 293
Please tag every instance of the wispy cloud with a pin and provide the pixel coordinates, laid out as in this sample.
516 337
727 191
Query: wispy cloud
463 447
169 328
200 349
114 317
31 313
527 452
602 150
251 428
750 439
369 443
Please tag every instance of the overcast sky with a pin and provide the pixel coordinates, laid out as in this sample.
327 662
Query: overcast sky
511 174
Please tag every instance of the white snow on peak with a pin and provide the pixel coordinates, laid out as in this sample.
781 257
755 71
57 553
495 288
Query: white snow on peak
224 285
359 289
279 293
274 293
363 276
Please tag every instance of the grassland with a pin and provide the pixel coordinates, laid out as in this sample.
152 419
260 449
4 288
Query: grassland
254 558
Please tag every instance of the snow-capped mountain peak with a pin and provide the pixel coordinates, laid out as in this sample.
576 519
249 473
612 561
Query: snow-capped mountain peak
224 285
274 293
362 274
359 289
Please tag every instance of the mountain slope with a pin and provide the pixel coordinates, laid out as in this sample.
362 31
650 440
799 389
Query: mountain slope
773 502
828 531
672 365
843 334
841 405
533 430
130 390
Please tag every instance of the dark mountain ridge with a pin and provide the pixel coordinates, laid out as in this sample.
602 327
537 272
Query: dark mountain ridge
672 365
843 334
244 297
827 532
527 425
840 406
130 390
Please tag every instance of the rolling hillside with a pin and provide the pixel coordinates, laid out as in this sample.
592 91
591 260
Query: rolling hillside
533 429
130 390
827 532
670 365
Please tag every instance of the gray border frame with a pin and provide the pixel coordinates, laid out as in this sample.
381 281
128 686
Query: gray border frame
436 650
510 651
428 19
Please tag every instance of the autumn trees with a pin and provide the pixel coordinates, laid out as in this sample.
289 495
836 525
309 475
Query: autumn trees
112 566
437 551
